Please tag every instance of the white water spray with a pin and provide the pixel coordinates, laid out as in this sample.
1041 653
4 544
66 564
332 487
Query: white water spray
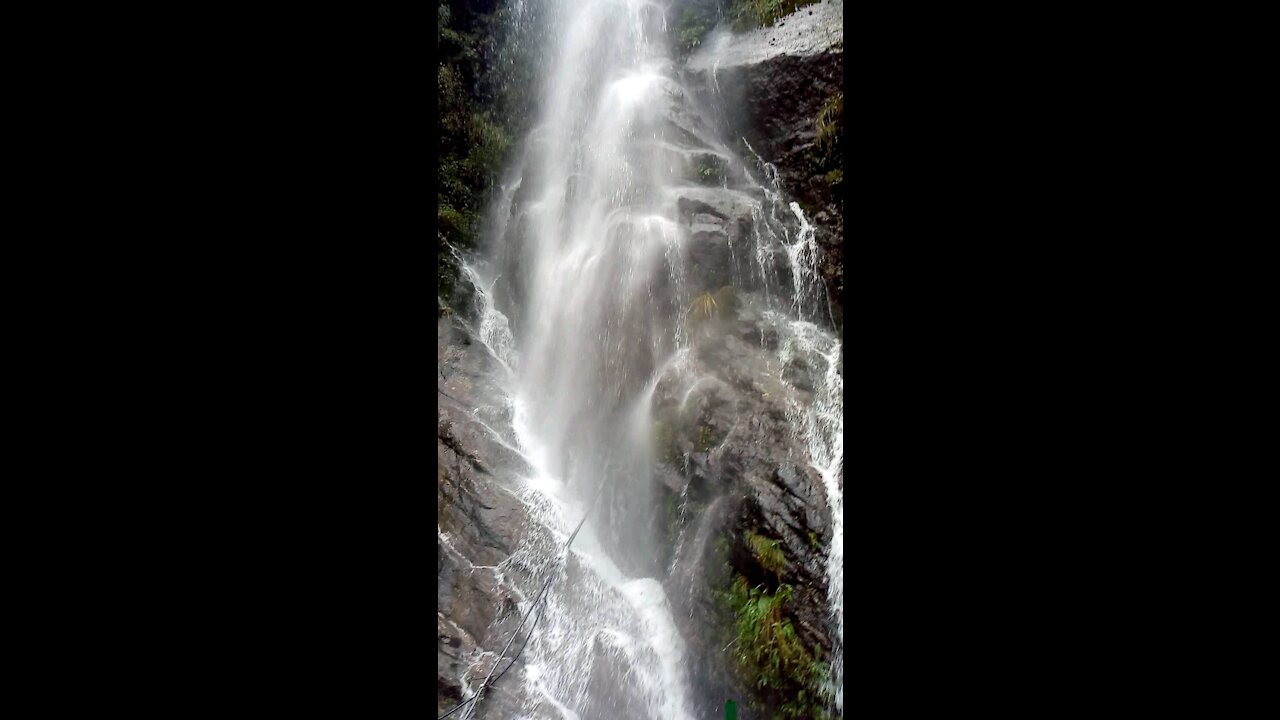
600 274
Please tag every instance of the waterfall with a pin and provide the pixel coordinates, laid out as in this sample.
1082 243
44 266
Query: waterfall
585 302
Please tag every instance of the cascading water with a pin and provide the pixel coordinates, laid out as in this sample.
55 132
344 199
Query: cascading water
591 263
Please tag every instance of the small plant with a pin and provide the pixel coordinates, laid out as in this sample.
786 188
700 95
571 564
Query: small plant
767 552
767 643
705 440
770 654
703 306
829 122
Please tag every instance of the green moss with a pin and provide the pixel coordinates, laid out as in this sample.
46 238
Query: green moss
767 552
705 439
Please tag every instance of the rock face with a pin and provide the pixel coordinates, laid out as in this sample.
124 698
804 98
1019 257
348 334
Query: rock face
774 82
729 470
745 474
480 523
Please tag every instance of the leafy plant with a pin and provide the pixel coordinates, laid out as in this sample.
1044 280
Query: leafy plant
771 656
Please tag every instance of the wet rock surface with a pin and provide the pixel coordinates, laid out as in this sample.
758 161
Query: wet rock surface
810 31
774 82
480 523
744 473
728 463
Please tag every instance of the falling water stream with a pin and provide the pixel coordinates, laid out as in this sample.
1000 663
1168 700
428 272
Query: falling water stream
583 299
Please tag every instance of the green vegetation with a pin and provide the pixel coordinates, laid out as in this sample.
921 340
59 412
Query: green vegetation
705 439
767 552
830 127
770 654
830 122
694 24
483 86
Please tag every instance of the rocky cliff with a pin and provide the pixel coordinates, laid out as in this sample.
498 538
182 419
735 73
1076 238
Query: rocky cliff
480 523
745 527
781 88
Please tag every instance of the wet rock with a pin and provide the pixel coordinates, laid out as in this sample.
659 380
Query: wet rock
773 83
735 397
732 205
694 585
606 696
715 218
480 523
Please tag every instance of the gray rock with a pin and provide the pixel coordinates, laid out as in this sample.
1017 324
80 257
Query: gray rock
773 83
813 30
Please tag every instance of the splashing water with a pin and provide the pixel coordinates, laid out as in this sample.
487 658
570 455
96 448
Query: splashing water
592 312
819 425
